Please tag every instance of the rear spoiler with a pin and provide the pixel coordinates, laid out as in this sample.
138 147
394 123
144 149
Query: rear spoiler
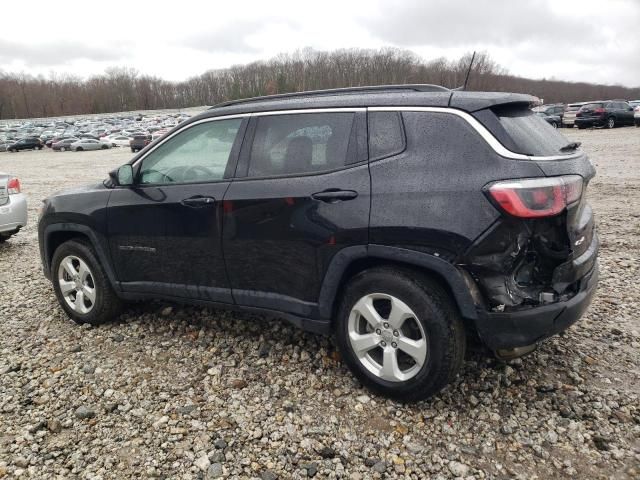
474 101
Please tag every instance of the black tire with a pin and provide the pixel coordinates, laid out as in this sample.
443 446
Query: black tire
554 124
133 150
79 149
581 127
611 122
104 147
4 238
107 305
443 327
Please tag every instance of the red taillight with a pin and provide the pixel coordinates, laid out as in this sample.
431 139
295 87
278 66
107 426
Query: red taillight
536 197
13 187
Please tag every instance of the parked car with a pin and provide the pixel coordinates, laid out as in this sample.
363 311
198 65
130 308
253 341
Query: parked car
29 143
3 146
608 113
554 120
64 144
119 140
138 142
552 110
13 206
570 111
402 229
89 144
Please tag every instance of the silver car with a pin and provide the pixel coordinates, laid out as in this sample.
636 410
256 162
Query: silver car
89 144
13 206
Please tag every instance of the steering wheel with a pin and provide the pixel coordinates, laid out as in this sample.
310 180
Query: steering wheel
164 177
196 171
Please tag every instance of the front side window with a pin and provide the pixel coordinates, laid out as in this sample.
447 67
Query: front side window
300 143
197 154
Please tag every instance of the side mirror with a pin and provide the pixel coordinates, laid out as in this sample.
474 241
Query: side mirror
123 176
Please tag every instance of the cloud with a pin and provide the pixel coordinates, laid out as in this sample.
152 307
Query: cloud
233 37
56 52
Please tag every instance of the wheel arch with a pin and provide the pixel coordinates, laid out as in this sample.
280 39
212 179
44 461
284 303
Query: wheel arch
352 260
58 233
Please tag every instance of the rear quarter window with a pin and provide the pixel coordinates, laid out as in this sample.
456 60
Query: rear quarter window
522 131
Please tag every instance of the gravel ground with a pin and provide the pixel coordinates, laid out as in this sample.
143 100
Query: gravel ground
184 392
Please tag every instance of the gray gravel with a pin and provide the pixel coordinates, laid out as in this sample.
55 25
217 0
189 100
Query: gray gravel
184 392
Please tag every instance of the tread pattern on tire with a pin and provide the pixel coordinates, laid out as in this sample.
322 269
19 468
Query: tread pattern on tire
419 387
108 304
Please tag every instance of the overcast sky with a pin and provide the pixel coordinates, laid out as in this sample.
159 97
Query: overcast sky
585 40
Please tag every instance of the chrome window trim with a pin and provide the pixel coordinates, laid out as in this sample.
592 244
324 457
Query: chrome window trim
247 115
470 119
478 127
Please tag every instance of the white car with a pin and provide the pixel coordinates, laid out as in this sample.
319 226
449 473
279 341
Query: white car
13 206
89 144
118 140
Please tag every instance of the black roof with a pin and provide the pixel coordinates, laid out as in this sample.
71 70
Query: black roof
385 95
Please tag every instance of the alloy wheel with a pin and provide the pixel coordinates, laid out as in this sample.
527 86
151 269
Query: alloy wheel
76 284
387 338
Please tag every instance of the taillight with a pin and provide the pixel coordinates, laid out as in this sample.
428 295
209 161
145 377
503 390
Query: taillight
13 186
536 197
599 110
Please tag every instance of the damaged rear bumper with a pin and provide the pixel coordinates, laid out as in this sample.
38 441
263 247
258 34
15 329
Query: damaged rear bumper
506 330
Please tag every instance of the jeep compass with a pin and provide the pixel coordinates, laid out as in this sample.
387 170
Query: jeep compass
403 220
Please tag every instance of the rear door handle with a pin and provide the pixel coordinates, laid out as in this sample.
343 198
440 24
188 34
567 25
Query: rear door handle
198 201
333 195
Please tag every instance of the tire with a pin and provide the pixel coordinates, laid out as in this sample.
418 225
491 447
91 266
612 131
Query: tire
611 122
63 149
435 324
104 147
133 150
554 124
105 305
79 149
581 127
4 238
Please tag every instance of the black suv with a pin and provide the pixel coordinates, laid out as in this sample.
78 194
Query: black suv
29 143
609 114
138 142
402 219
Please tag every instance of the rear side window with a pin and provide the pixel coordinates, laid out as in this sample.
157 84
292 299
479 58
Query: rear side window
386 136
301 143
522 131
591 106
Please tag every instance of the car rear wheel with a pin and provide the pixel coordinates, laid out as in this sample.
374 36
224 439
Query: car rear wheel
399 333
611 122
79 149
81 285
554 124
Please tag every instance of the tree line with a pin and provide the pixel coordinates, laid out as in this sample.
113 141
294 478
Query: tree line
125 89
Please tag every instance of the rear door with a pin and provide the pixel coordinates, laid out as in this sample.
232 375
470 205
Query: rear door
301 194
165 231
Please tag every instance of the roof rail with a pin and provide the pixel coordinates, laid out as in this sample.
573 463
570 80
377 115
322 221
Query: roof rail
415 87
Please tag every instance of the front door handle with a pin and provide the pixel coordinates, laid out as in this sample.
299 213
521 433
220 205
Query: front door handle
333 195
198 201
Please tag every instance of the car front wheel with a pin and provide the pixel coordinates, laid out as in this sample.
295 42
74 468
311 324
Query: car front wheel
81 285
399 333
611 122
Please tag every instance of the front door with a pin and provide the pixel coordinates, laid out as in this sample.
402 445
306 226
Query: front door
300 196
165 230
